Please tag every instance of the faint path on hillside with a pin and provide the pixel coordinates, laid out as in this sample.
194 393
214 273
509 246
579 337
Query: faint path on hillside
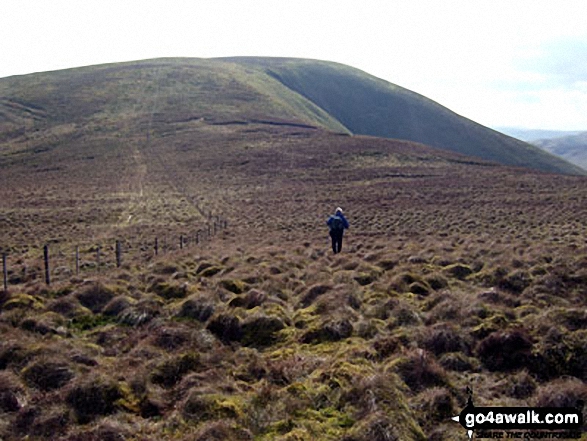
138 169
136 207
149 155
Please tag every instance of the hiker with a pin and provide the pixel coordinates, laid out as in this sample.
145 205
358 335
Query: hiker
337 224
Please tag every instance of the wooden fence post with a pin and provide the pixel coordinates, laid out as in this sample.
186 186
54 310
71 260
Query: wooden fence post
77 260
118 254
156 246
98 257
181 242
5 272
46 258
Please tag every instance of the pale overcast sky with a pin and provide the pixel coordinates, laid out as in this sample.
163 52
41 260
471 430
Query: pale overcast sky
516 63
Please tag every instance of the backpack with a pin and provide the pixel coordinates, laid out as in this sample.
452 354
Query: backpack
336 223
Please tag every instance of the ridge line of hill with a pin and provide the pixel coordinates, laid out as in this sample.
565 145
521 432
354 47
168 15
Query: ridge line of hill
327 94
368 105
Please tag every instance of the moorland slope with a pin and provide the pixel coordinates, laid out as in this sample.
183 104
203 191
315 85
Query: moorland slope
317 93
455 273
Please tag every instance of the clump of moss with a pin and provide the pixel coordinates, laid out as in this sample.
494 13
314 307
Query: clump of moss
93 397
251 300
14 355
459 362
442 338
171 371
561 393
226 327
261 330
170 290
572 318
458 271
436 405
387 264
419 288
209 271
68 307
117 305
381 409
142 312
106 431
86 322
328 331
22 301
170 339
506 350
313 293
365 278
95 297
10 390
204 407
404 315
520 386
419 370
165 268
436 281
196 308
386 346
47 375
234 286
516 281
220 431
561 353
41 422
47 323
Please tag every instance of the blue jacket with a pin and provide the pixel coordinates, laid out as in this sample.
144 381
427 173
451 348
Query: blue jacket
345 223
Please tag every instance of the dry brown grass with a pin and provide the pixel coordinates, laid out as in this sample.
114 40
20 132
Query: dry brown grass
445 265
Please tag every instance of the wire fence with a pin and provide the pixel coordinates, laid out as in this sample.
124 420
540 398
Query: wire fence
54 262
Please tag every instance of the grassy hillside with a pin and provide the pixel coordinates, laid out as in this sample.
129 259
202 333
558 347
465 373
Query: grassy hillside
179 89
572 148
370 106
327 95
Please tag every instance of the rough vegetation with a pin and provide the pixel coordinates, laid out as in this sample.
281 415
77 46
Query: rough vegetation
455 273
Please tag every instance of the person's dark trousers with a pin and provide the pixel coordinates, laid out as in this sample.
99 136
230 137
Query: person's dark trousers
336 236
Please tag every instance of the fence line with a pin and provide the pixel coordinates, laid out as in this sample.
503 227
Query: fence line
65 260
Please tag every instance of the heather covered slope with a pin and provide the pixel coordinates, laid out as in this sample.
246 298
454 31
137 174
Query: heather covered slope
260 333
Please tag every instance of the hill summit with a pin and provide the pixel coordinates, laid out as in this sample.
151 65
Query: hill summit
299 91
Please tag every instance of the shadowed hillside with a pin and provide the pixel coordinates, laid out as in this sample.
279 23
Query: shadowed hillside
370 106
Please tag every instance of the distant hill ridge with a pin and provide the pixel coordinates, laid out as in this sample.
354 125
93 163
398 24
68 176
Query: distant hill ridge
572 148
317 93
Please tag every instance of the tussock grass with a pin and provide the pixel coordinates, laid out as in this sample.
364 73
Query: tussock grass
451 275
